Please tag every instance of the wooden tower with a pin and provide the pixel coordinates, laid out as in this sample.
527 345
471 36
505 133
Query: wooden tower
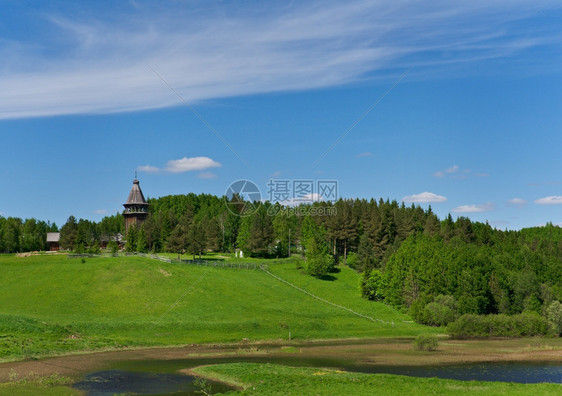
136 207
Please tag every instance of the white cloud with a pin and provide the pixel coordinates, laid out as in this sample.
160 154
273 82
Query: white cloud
190 164
92 63
452 169
424 197
439 174
100 211
443 173
474 208
552 200
518 202
184 164
365 154
207 175
148 169
455 172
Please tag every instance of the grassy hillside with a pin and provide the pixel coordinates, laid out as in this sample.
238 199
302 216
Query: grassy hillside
55 304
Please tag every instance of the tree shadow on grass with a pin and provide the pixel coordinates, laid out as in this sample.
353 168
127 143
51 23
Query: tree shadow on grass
330 278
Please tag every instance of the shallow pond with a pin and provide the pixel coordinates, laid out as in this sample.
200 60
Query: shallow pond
161 377
111 382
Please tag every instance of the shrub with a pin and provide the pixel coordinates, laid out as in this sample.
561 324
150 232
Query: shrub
95 249
352 260
426 342
438 311
113 246
319 264
373 285
416 309
531 324
79 248
554 317
525 324
435 314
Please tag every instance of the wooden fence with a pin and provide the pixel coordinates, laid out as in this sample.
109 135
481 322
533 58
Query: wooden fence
202 263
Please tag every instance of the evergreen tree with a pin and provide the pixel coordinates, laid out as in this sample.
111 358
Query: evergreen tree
131 244
142 243
68 233
365 253
261 232
197 239
177 240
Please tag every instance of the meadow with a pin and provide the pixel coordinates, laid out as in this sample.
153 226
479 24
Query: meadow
270 379
51 304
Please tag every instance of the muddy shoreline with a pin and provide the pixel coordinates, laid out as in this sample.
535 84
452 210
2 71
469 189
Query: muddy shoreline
380 351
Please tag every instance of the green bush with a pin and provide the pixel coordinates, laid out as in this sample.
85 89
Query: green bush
95 249
531 324
113 246
521 325
554 317
438 311
352 260
319 264
373 285
426 342
435 314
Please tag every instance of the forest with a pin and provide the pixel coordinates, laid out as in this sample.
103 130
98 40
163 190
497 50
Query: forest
437 270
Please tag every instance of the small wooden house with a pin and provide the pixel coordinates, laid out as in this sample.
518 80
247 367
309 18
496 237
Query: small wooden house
53 240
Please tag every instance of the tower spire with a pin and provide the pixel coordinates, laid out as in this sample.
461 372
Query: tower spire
136 207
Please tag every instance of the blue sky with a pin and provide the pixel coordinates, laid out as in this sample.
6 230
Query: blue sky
457 106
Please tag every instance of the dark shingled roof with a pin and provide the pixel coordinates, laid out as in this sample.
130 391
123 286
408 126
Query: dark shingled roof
135 196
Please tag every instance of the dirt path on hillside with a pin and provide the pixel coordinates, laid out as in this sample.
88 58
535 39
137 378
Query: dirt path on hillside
370 352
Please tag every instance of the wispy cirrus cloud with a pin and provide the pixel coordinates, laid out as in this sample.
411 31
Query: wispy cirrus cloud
474 208
517 202
424 197
455 172
99 62
552 200
448 171
184 164
207 175
365 154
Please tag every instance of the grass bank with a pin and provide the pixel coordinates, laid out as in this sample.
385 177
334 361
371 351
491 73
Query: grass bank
54 305
270 379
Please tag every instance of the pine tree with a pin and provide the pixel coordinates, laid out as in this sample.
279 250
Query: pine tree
68 233
131 244
176 242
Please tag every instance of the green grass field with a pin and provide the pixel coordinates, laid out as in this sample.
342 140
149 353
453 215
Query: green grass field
52 304
270 379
